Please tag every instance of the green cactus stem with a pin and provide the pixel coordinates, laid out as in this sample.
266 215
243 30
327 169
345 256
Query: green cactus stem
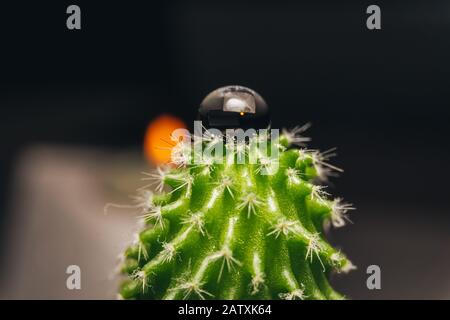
231 231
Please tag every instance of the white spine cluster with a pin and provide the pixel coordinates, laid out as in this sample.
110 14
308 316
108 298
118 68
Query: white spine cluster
251 202
297 294
154 214
156 178
283 227
258 277
195 220
314 248
293 176
168 252
323 167
339 210
192 287
294 136
141 277
318 193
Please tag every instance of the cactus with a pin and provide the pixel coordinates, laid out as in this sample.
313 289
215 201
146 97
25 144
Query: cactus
235 230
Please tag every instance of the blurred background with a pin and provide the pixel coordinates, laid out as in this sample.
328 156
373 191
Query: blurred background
75 105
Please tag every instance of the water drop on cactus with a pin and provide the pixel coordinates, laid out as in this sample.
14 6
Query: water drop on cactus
227 229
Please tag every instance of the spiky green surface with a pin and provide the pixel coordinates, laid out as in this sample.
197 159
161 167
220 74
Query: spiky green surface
226 231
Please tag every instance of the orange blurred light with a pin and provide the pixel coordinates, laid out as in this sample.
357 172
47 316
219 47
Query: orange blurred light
158 142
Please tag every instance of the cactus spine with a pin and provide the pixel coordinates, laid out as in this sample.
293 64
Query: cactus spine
228 231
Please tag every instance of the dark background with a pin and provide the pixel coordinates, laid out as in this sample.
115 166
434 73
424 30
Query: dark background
382 97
